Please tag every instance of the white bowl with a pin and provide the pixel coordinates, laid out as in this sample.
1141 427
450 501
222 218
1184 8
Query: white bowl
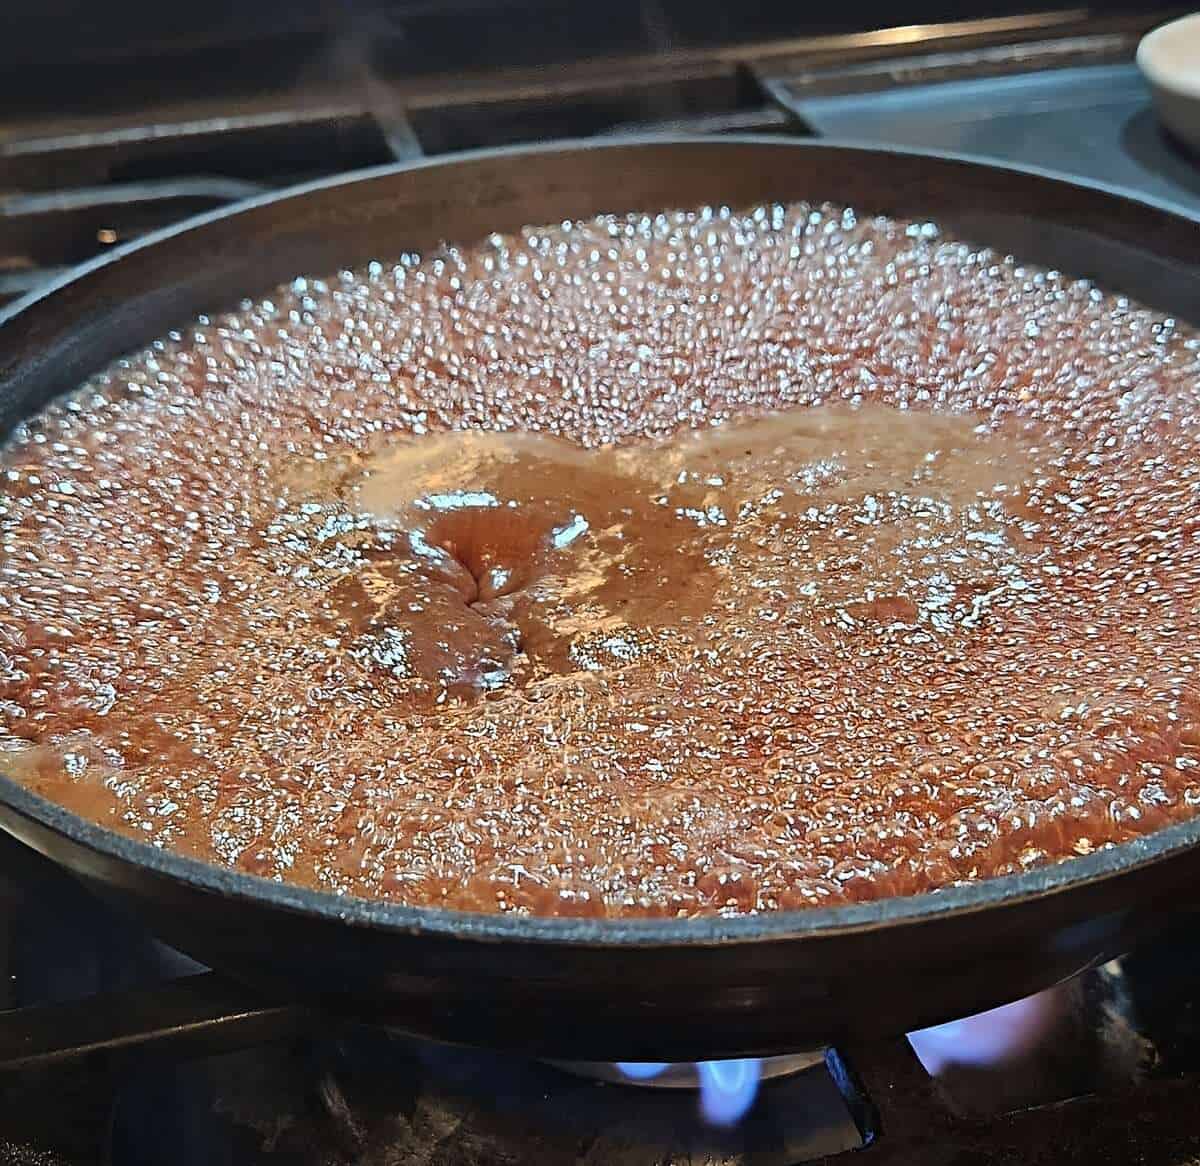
1169 58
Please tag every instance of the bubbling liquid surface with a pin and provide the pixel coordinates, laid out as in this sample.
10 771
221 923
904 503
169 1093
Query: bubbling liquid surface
653 565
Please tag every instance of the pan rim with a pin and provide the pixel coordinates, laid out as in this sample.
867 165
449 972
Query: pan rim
707 930
811 923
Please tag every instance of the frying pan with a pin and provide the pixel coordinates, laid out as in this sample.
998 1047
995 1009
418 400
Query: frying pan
609 989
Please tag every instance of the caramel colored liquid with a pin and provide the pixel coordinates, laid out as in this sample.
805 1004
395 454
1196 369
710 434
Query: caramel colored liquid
494 560
648 566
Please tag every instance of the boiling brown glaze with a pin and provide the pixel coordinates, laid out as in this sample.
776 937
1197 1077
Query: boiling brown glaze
652 565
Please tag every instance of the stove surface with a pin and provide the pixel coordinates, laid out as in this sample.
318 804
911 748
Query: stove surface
1057 89
1093 121
117 1050
249 1084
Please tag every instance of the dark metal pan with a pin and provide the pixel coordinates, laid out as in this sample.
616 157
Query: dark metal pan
607 990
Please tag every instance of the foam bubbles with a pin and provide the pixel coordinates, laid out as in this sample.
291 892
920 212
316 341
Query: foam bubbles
906 673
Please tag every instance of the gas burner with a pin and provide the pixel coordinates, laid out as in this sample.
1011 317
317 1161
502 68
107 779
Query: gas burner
141 1051
688 1074
726 1089
369 1098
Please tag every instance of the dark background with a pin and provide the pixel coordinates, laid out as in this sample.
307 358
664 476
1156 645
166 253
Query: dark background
423 35
70 59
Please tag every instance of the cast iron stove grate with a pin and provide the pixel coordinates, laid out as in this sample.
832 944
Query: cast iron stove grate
72 188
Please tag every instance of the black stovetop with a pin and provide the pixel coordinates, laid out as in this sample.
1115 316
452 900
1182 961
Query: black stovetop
1110 1079
131 154
156 1060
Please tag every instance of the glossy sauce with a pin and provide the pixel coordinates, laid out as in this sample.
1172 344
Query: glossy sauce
652 565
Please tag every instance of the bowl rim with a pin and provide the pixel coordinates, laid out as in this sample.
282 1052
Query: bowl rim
1182 86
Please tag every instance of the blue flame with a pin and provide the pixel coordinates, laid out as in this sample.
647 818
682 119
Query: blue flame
988 1039
727 1088
642 1070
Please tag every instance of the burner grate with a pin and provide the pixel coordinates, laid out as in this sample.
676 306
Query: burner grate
70 191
